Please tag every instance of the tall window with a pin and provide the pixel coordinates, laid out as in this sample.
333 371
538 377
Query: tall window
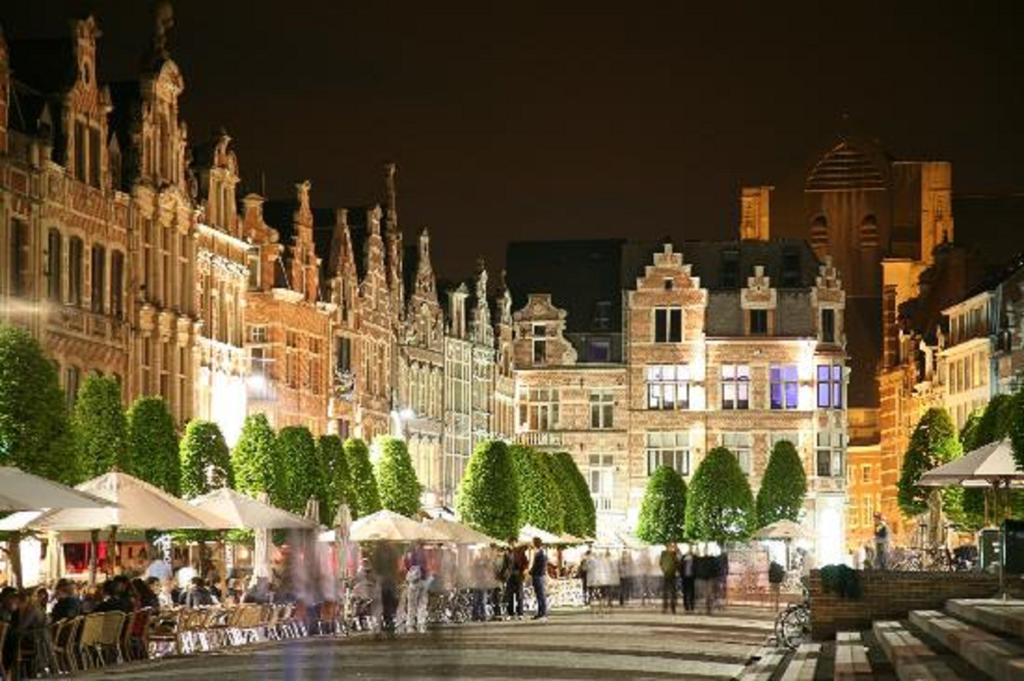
54 266
291 361
21 280
668 386
739 444
147 365
668 325
829 455
758 322
315 366
730 271
540 345
253 261
94 157
344 354
668 449
117 284
601 478
602 403
541 410
76 252
784 386
98 276
80 148
830 386
166 266
166 360
828 325
735 386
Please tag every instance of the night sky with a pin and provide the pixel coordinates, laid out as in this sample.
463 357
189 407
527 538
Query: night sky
515 120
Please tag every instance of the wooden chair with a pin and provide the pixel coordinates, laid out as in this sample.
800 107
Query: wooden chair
164 628
65 643
109 643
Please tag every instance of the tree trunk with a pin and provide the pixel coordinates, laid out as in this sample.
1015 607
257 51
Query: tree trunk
94 547
14 555
935 520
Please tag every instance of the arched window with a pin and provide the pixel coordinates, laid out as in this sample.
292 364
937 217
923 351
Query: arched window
868 233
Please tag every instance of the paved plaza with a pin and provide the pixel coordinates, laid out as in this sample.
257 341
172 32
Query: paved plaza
630 643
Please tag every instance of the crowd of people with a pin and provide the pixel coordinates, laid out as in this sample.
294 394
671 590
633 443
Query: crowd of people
629 576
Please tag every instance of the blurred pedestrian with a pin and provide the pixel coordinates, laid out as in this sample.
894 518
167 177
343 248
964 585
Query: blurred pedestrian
538 575
669 564
688 577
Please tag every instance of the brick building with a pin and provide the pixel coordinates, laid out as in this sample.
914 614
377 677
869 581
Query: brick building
738 344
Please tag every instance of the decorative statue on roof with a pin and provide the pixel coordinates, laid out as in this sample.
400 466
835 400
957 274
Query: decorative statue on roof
163 17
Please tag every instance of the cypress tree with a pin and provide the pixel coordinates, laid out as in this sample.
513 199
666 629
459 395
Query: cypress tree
303 474
256 462
339 482
205 459
933 443
540 496
489 493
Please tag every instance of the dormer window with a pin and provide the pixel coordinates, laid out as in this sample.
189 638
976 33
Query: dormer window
540 344
828 325
730 269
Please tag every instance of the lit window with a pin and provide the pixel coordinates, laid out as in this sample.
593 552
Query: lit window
601 409
784 386
541 409
668 386
829 454
830 386
735 386
601 479
668 449
540 345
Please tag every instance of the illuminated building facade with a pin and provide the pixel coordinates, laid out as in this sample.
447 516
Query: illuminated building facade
735 344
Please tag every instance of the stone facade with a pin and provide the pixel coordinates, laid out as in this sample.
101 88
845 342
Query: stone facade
727 362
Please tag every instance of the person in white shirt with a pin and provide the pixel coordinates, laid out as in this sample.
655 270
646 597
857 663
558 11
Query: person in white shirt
160 569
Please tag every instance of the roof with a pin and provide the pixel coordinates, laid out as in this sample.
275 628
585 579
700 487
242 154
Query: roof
848 165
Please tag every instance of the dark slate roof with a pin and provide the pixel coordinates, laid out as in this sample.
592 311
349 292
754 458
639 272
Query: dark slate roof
46 64
126 98
992 226
27 105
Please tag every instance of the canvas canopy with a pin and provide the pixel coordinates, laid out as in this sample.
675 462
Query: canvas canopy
21 491
528 532
236 511
458 533
986 466
782 529
390 526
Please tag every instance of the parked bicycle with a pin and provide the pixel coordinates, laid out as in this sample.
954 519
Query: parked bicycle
793 625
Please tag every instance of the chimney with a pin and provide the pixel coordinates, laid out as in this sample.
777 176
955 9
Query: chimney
755 205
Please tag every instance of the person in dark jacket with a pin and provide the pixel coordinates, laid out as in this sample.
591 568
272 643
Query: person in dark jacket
688 576
538 572
66 604
513 567
669 564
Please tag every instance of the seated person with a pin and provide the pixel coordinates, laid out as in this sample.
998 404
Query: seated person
66 604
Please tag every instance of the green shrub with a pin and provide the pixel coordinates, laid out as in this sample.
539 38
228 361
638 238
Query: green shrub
783 487
663 511
396 479
580 515
153 444
339 482
205 459
720 505
933 443
100 427
540 496
256 461
488 496
303 473
365 497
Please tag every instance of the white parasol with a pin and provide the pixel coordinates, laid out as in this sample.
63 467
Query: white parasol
235 511
21 491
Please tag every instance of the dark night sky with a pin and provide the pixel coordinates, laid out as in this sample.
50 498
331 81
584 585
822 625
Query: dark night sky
516 120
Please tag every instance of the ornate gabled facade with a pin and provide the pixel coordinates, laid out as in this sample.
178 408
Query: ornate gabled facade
715 353
65 223
222 281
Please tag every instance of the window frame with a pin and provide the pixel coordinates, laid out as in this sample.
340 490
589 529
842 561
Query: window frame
602 409
782 378
668 393
667 324
657 447
738 383
832 383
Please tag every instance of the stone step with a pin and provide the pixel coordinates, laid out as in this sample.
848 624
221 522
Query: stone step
804 663
996 656
764 664
911 658
851 657
1006 617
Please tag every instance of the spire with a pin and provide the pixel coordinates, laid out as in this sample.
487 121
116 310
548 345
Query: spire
425 285
391 195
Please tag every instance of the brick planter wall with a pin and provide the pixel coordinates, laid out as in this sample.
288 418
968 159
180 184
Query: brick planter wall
891 595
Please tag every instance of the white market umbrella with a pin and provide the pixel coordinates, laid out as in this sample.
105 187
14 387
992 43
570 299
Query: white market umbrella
782 529
390 526
134 504
236 511
990 465
528 532
458 533
21 491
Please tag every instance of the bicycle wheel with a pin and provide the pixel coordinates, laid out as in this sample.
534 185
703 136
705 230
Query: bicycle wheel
794 626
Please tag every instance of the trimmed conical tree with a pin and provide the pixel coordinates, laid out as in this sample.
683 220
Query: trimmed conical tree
663 511
365 497
1016 426
304 475
99 426
540 496
580 514
35 434
256 462
933 443
205 459
783 487
396 479
331 451
153 444
720 505
488 494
